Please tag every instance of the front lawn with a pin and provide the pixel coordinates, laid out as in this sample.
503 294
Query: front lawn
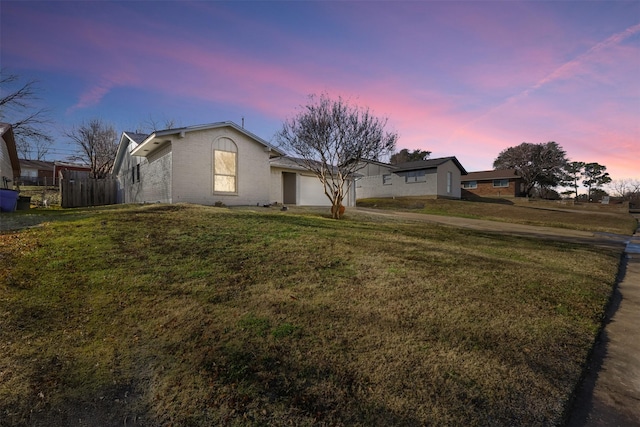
189 315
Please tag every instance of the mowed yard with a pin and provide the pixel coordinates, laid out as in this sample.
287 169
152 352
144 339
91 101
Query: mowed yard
196 316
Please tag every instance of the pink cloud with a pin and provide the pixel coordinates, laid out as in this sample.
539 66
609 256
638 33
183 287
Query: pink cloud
441 97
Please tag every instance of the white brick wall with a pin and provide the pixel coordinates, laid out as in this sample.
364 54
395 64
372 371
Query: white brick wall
155 178
192 167
5 162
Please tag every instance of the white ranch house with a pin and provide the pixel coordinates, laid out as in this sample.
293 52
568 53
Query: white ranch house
207 164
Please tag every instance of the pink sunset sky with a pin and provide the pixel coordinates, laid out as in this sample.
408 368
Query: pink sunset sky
458 78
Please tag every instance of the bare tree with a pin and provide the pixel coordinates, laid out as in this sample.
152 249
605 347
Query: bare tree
152 124
96 144
18 106
620 187
329 138
626 188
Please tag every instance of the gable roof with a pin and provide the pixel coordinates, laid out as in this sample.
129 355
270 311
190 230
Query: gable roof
492 174
125 140
154 141
6 131
427 164
136 137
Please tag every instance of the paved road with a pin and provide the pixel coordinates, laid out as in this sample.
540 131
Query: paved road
610 392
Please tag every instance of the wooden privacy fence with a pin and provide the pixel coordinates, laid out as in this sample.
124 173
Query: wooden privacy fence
78 190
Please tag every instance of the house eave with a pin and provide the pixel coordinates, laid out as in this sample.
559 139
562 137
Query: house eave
150 145
159 139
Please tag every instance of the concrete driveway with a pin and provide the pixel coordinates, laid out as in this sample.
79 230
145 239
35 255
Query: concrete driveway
587 237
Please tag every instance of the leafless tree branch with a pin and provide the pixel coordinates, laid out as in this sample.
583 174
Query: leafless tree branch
29 123
330 137
96 144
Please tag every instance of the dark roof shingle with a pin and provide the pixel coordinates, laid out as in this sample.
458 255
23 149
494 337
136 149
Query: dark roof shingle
492 174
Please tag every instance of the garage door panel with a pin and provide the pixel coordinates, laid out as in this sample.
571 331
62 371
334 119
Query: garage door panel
312 192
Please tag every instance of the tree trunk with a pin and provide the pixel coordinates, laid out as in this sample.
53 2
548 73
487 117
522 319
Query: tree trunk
337 209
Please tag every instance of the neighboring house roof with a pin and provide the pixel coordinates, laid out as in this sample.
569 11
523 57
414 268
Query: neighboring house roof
288 162
155 140
428 164
36 164
492 174
6 131
74 166
71 165
376 162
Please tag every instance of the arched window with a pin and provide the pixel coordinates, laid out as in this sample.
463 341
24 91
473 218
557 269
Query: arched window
225 166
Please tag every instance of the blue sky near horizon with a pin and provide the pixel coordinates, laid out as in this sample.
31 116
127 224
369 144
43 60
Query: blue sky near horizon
458 78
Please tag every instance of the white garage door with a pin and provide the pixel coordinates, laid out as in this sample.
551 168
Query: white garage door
312 192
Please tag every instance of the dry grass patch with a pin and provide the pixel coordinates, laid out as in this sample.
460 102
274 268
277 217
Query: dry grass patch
184 315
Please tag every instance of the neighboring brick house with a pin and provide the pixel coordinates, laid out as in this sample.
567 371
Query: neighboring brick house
39 172
493 183
36 172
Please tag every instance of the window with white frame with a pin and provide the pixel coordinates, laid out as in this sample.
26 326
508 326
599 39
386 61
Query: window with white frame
225 166
470 184
500 182
386 179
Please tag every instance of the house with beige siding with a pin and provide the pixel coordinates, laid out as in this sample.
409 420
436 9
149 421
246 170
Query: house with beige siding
438 178
209 164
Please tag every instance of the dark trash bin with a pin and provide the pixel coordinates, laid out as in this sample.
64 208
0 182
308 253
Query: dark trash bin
24 203
8 200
